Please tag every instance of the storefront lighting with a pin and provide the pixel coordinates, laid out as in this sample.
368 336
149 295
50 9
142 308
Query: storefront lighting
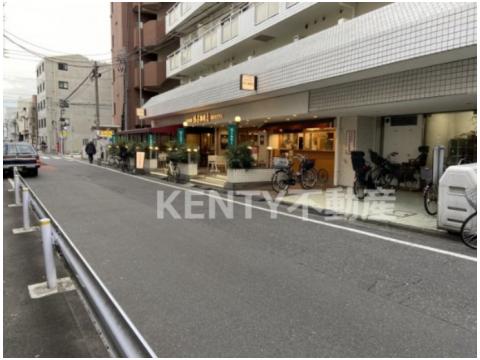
294 115
288 119
196 149
185 123
315 116
189 150
312 129
269 148
238 119
249 147
150 148
169 149
269 118
156 147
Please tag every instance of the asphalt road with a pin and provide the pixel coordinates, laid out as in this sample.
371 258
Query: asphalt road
261 286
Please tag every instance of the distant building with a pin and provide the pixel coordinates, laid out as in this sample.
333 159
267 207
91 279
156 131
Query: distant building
10 131
26 119
67 126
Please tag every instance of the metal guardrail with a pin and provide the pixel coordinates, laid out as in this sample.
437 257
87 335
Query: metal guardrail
124 337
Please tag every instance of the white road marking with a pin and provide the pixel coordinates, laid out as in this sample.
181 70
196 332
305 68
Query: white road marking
56 157
328 224
45 157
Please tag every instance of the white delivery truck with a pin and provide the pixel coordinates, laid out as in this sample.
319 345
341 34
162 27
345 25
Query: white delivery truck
453 204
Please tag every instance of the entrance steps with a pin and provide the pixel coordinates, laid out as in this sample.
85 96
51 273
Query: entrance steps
210 181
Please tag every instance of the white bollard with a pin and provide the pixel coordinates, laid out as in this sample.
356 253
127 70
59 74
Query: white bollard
16 180
26 213
50 269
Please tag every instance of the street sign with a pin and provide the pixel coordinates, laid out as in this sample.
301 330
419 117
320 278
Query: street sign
181 136
232 134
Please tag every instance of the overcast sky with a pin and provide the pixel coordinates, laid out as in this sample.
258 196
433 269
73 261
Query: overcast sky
69 26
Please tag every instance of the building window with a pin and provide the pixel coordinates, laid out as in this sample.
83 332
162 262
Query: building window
63 85
63 66
114 108
229 28
42 68
264 11
210 40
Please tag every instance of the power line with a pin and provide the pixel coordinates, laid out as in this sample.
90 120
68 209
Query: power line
50 58
47 49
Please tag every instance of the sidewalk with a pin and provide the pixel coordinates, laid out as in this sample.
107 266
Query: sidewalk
53 326
403 209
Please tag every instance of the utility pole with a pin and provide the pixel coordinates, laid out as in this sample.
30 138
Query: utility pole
96 75
140 62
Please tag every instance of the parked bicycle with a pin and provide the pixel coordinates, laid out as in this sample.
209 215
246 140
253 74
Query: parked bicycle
284 175
173 172
388 174
430 196
468 231
364 179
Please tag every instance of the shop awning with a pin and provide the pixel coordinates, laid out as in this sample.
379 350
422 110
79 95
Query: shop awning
167 130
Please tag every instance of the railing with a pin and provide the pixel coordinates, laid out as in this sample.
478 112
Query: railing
125 339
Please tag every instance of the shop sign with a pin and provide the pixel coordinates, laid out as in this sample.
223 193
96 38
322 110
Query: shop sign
181 136
106 133
140 159
140 112
150 139
203 118
232 134
248 82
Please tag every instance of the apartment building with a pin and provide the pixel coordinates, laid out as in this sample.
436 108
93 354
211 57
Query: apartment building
66 126
321 79
139 49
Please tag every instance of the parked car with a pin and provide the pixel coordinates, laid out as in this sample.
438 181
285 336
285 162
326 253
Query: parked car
23 156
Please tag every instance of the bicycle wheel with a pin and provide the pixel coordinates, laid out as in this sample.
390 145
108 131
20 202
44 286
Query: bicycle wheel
308 179
280 181
469 231
430 200
322 176
359 190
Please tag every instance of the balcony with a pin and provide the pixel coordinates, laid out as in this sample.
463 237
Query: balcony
243 25
154 75
182 11
153 32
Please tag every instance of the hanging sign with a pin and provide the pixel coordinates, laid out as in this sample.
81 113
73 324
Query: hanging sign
150 139
180 136
232 134
248 82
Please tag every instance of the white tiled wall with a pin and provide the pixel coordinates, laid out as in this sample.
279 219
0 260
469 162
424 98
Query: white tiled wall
394 33
454 78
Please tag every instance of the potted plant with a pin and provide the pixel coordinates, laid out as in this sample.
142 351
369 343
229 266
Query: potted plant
186 158
240 167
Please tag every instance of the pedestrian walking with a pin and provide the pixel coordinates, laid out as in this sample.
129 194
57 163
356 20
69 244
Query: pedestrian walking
90 150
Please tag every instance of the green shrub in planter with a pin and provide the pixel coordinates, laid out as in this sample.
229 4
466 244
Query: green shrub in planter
180 153
239 157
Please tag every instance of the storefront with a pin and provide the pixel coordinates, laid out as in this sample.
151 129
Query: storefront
314 139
